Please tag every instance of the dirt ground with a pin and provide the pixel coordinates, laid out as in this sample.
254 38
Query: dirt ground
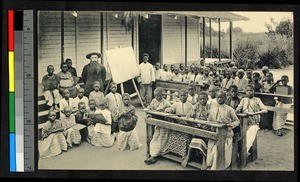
274 153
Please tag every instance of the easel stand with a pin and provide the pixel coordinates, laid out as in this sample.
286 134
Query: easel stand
122 91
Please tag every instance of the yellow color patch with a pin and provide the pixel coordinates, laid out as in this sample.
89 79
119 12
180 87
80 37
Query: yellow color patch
11 69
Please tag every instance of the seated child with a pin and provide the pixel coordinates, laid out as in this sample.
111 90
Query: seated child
233 99
66 101
255 81
185 75
177 77
114 103
81 98
72 135
66 80
50 88
92 107
240 81
97 95
221 113
52 141
178 142
160 135
101 132
90 113
127 119
192 97
212 90
81 117
253 107
200 111
227 81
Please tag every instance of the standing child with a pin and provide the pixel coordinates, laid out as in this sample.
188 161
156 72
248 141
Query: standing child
160 135
96 95
114 103
221 113
50 88
81 98
52 141
283 102
66 101
253 107
268 100
146 79
72 135
127 119
101 133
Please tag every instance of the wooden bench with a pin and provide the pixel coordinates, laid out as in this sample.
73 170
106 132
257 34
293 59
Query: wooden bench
218 135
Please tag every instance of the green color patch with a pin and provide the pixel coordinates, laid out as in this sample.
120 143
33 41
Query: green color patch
11 112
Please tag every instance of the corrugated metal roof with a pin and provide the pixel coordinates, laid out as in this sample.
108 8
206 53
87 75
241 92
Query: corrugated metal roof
223 15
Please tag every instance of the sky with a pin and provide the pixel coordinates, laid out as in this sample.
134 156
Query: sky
258 19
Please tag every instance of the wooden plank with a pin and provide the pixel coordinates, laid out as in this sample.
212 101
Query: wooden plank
280 110
174 116
244 127
182 128
221 148
149 131
178 159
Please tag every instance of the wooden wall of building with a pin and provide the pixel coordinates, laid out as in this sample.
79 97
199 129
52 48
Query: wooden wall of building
82 35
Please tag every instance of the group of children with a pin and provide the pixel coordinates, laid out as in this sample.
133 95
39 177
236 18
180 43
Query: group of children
103 120
218 110
112 116
218 101
214 77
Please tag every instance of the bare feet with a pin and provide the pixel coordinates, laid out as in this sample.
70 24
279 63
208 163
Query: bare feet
151 160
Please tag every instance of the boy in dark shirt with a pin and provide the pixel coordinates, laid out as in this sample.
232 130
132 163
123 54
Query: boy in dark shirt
50 88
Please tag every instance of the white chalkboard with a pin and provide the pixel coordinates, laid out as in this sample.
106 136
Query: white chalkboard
122 64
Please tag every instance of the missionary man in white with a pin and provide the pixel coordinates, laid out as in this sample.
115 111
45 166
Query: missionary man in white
146 79
94 71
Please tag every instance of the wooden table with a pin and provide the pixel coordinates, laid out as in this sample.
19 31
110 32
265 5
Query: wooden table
160 119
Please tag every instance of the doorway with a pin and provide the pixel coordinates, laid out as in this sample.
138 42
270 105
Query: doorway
150 38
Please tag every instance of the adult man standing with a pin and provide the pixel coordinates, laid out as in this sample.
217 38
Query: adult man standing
94 71
146 79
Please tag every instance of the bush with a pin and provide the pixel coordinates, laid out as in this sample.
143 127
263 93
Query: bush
215 52
275 58
246 54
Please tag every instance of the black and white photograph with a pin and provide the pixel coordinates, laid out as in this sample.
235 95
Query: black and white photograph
165 90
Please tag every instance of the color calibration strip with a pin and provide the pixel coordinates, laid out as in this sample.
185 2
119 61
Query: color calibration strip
11 70
21 90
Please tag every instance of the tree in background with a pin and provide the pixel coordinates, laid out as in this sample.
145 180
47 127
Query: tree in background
280 51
